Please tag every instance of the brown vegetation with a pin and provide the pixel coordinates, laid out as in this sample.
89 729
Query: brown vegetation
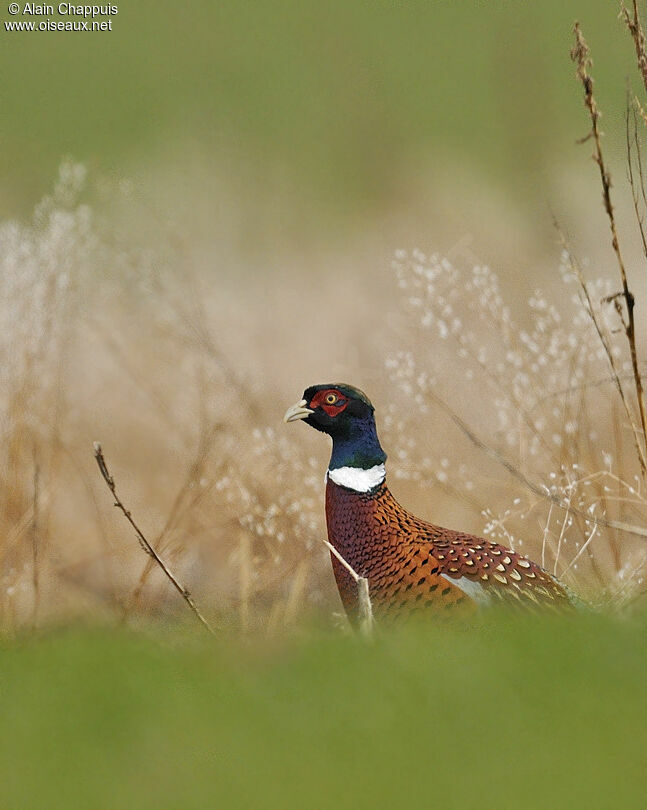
524 422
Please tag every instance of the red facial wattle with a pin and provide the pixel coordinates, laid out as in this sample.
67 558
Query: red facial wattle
332 401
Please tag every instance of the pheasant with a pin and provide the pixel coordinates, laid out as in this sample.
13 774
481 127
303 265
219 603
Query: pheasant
411 565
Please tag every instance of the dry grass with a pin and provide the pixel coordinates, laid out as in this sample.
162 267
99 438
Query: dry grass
552 393
524 421
102 342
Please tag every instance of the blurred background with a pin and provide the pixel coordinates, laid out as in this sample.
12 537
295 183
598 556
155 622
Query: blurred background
200 212
292 123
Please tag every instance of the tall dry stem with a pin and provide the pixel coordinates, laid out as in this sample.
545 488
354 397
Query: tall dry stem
633 23
143 542
34 541
580 54
244 578
365 617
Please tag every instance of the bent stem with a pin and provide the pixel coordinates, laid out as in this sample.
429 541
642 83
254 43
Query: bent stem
143 542
366 619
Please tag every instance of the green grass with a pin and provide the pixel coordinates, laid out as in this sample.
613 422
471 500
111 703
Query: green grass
336 99
518 715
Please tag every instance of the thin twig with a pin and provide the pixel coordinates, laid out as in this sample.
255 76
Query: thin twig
637 108
295 596
536 489
637 34
572 389
245 578
631 108
34 540
580 54
582 549
545 538
143 542
565 525
366 619
604 340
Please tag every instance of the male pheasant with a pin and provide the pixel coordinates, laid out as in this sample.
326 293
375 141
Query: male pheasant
410 564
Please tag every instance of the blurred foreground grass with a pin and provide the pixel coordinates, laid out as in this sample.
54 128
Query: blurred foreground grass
522 714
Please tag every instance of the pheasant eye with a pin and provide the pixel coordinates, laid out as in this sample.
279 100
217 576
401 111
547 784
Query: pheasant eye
331 399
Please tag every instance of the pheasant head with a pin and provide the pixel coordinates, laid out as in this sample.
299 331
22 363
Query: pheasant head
348 417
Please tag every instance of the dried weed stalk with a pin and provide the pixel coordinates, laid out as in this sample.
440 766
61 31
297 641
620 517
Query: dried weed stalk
366 620
34 542
43 266
143 542
633 23
581 55
632 140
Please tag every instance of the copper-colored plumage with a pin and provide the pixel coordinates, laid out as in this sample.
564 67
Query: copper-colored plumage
413 565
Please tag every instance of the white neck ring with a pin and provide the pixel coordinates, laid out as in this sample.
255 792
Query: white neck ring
358 479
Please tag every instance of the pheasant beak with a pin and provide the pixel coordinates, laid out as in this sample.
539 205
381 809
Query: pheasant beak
297 411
